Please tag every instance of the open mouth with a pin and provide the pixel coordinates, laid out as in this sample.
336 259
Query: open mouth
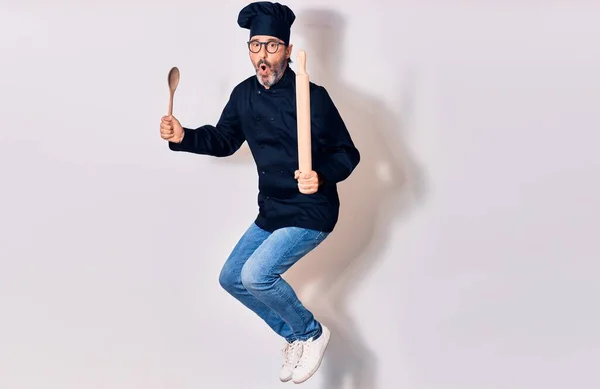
263 70
263 67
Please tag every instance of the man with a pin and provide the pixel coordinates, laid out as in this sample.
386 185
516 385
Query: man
296 210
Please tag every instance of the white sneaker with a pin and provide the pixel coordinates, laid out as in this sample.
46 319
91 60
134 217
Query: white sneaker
291 355
312 355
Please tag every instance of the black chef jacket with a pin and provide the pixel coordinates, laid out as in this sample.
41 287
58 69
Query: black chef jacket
266 119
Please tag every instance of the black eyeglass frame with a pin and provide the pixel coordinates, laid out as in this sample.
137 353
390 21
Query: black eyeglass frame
261 44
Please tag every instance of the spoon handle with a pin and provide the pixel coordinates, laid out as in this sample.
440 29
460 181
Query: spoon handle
170 112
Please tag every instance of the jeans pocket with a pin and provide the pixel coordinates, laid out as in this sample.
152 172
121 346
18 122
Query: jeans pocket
320 237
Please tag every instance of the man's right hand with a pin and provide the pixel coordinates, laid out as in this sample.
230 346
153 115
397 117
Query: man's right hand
171 129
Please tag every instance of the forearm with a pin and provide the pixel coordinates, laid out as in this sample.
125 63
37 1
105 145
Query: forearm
335 156
221 140
209 140
336 165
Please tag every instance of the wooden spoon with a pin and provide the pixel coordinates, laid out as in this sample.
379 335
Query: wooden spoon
173 80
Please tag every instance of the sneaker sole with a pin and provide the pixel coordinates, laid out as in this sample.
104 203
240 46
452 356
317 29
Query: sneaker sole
285 379
318 365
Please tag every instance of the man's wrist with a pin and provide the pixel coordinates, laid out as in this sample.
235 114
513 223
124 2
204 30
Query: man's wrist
180 139
320 179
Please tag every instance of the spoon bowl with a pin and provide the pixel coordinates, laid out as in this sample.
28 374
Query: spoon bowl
173 81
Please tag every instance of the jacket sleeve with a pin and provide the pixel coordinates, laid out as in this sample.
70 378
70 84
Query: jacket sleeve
335 155
220 140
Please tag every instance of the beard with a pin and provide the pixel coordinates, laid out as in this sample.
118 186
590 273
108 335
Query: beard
268 73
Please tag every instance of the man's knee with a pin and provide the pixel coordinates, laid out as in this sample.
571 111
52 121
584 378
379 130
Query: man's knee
256 278
229 280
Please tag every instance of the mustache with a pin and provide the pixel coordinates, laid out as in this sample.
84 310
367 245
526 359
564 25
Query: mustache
263 62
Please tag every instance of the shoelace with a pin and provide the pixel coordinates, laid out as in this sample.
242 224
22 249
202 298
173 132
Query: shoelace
305 352
292 351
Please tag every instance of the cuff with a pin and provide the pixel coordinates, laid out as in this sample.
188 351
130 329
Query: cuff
185 141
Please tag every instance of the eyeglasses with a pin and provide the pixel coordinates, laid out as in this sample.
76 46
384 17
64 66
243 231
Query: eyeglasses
271 46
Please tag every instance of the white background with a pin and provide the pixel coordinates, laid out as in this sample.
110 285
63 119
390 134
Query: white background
466 255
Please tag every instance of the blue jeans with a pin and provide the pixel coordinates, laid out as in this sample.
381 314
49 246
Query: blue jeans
252 274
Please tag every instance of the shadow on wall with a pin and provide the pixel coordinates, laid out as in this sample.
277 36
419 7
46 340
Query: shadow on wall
381 189
384 187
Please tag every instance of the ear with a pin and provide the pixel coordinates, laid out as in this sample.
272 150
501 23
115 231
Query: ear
288 53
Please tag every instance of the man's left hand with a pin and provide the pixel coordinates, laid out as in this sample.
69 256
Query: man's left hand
308 183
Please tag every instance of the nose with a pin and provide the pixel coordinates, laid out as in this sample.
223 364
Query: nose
263 51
